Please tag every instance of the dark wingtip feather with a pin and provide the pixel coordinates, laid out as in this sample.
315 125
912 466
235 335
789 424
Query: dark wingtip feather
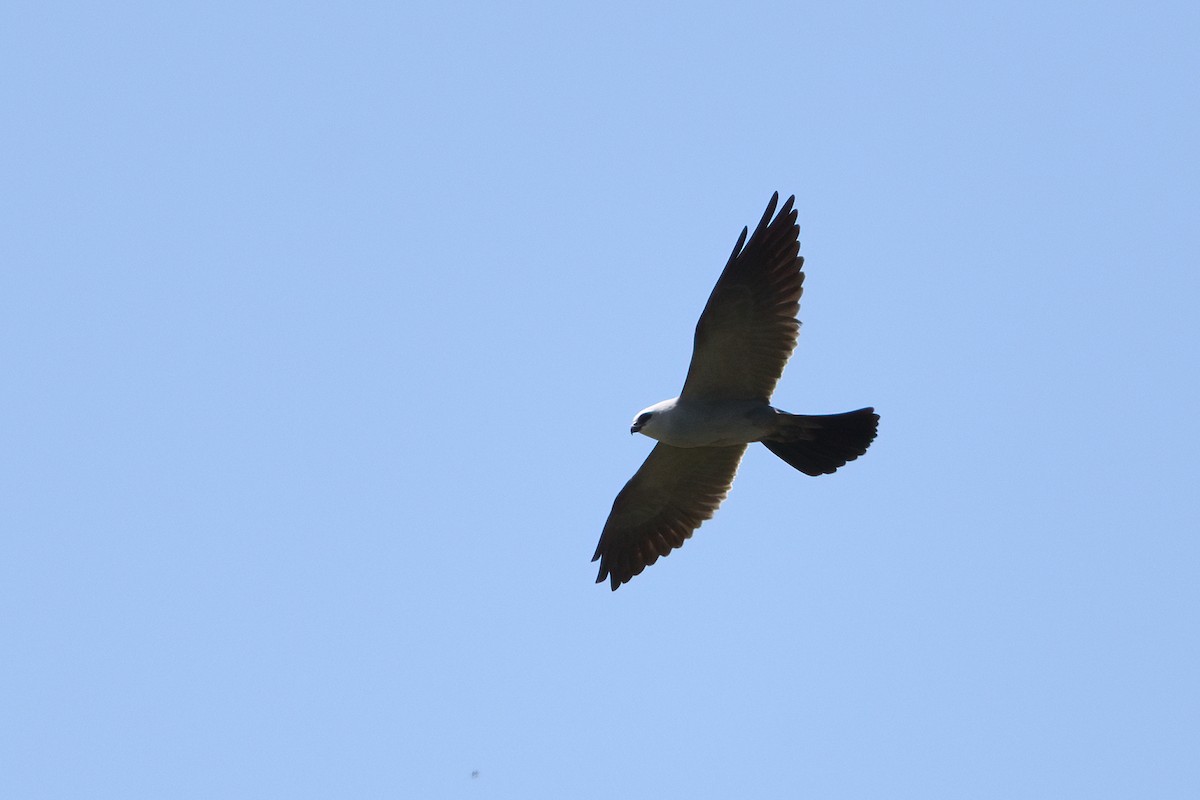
737 248
611 572
787 207
766 217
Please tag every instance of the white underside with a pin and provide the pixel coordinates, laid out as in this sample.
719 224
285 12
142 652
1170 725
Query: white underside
693 423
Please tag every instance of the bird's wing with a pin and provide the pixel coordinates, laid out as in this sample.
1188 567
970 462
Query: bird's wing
749 327
675 490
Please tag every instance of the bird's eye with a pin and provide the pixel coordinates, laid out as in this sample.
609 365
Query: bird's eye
641 420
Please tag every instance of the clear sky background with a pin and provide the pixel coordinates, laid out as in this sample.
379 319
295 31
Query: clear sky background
322 326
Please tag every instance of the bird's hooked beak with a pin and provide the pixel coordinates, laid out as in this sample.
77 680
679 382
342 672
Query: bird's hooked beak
635 428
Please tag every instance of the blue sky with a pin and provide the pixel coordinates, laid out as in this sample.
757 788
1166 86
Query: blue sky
322 327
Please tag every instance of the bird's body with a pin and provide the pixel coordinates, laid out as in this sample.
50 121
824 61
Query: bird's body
683 422
743 340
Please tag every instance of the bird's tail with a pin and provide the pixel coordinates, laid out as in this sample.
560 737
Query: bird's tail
819 444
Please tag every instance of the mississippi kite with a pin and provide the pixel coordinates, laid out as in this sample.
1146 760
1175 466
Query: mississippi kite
743 340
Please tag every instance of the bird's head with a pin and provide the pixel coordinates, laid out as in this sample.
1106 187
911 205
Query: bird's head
648 422
641 421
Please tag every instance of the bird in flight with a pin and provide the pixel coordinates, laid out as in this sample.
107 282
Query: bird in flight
744 338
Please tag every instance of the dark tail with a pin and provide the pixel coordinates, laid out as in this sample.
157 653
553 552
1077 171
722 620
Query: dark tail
818 445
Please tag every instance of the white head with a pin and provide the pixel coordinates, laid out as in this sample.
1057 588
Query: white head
650 421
